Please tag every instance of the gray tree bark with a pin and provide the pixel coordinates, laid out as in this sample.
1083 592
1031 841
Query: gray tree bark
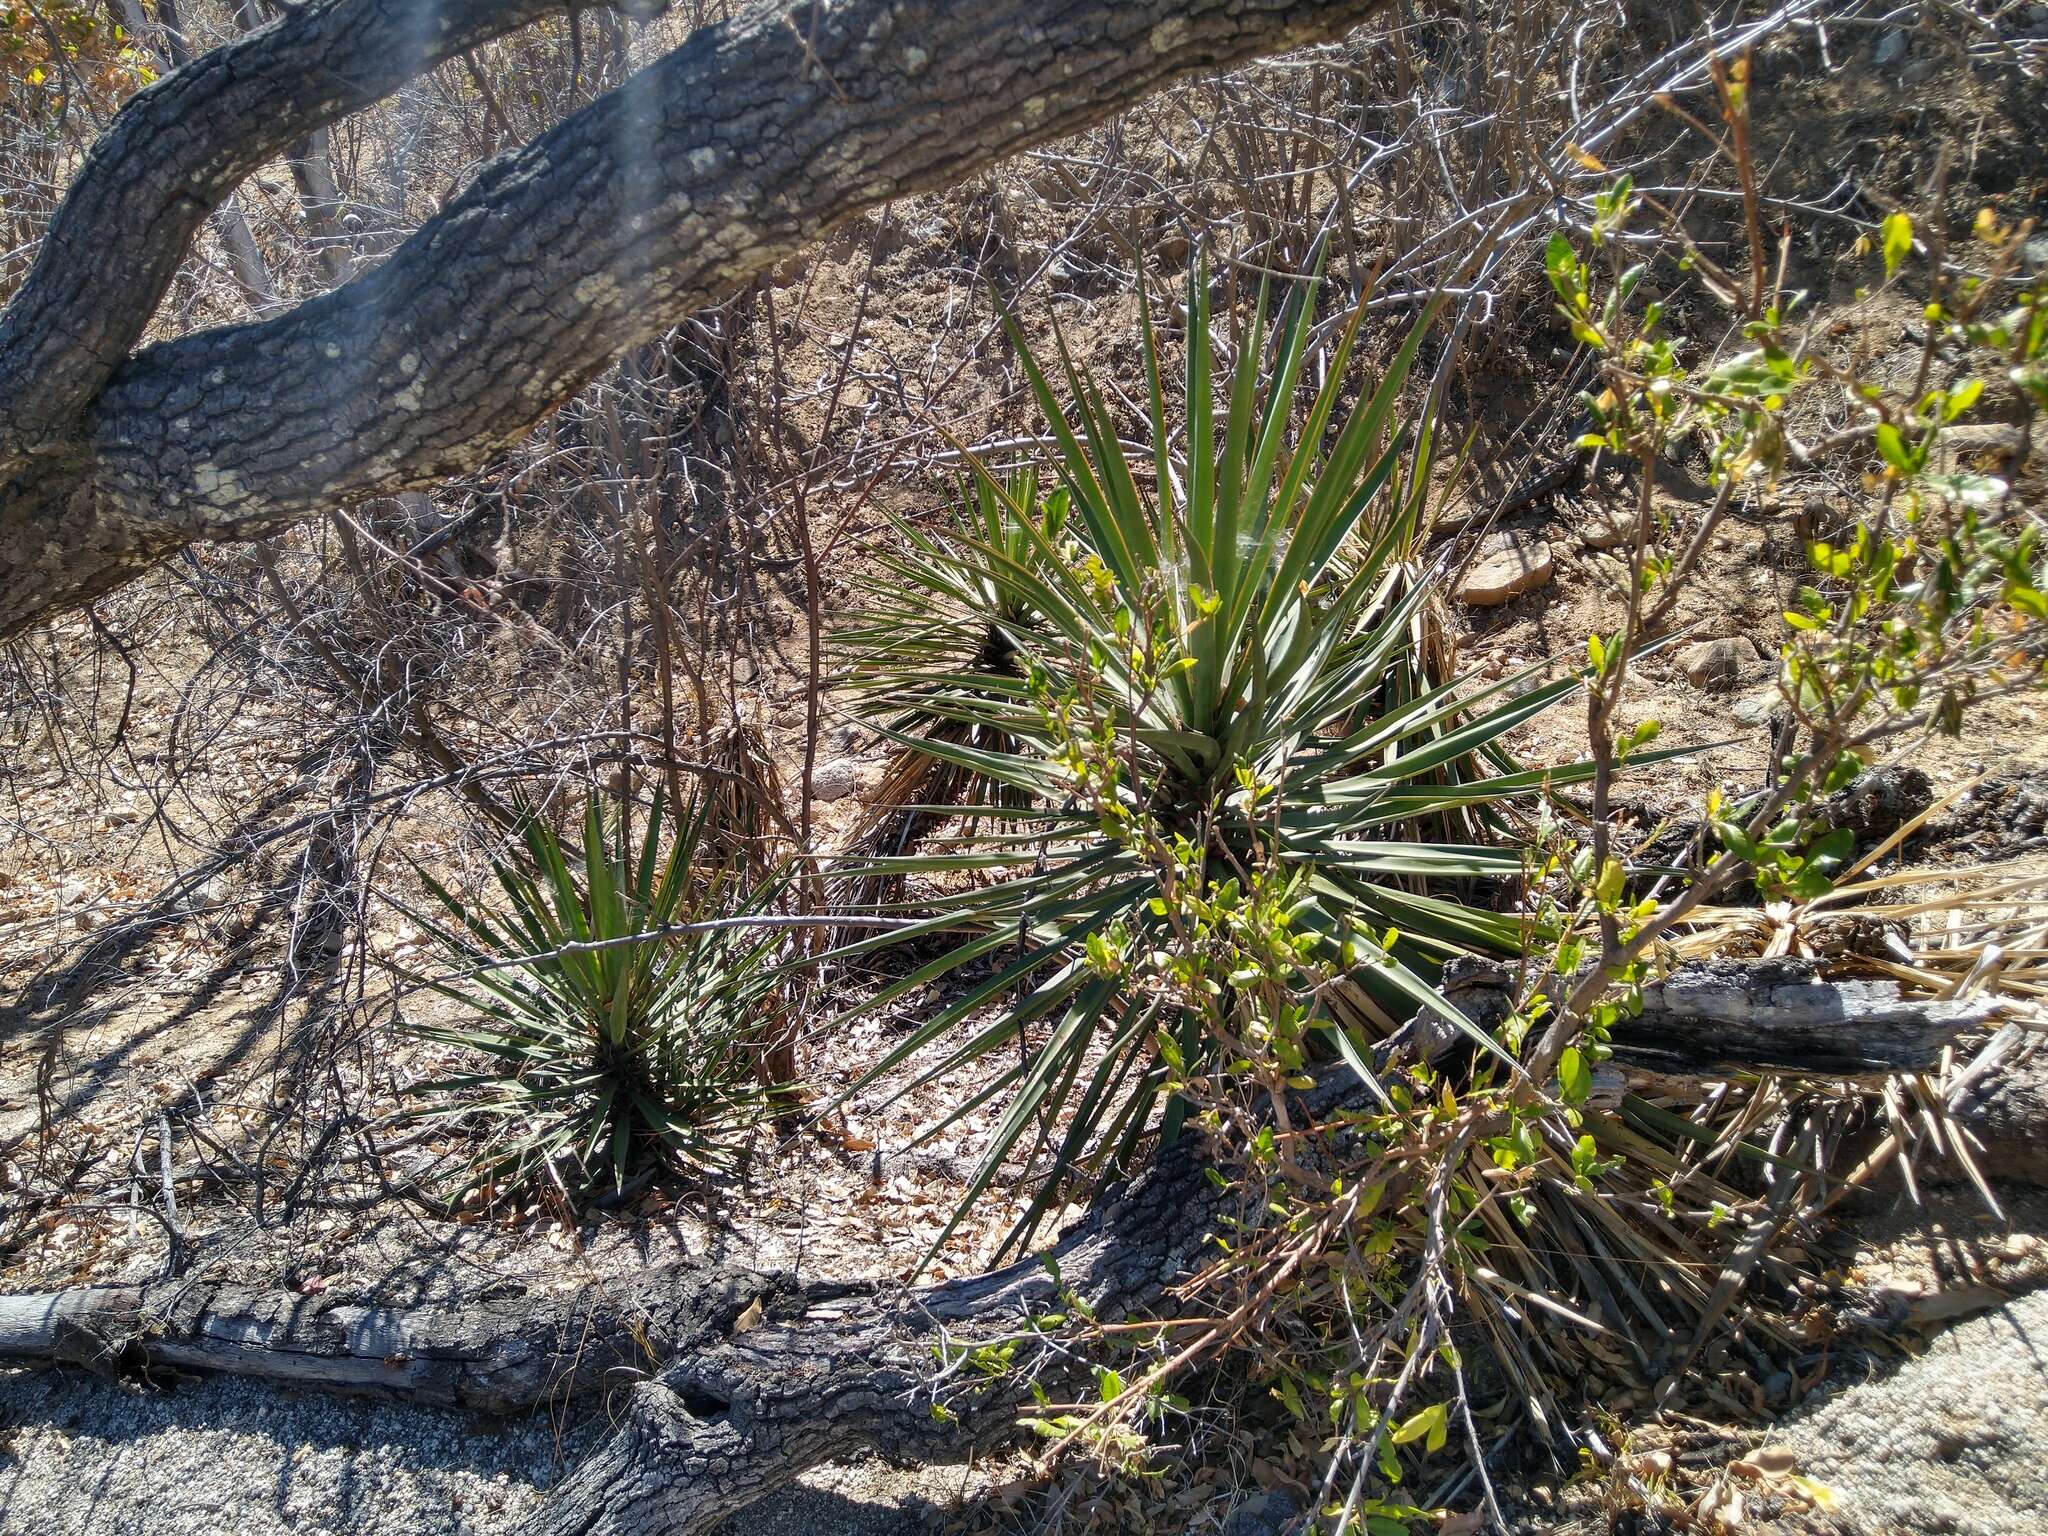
501 1353
737 1381
1740 1015
733 152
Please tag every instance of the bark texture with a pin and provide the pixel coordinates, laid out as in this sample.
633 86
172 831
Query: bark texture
1776 1015
730 154
725 1425
499 1353
738 1381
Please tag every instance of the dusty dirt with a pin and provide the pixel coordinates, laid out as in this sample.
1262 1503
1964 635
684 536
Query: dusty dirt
199 1017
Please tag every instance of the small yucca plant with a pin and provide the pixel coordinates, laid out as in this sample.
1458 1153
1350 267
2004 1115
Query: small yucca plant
946 625
1248 640
616 1044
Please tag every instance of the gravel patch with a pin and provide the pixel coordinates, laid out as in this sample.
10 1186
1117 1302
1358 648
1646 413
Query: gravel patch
83 1457
1950 1443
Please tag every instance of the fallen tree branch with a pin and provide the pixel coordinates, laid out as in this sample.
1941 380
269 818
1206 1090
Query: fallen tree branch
1778 1015
729 1402
500 1353
757 1377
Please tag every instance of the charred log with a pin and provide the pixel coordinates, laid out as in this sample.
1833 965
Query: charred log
1778 1015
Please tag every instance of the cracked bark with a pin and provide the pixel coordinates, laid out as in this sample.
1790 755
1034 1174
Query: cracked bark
734 151
735 1405
501 1352
725 1425
718 1414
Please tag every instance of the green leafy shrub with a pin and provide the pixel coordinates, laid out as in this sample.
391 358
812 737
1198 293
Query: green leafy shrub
1218 701
618 1004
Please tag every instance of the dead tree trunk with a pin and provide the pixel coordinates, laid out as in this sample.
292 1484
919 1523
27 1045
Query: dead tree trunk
1774 1015
729 1400
725 1425
738 1381
663 196
501 1353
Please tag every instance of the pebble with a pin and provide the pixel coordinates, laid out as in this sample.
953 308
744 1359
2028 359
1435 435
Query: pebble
1601 532
1996 443
1717 665
1508 565
1758 708
834 780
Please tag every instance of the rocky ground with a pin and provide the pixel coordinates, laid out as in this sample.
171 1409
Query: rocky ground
82 1457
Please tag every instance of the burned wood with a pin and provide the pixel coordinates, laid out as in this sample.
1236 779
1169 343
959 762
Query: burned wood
502 1352
729 1400
1776 1015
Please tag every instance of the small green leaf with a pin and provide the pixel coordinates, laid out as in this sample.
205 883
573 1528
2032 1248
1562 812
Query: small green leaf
1898 241
1891 447
1574 1077
1431 1424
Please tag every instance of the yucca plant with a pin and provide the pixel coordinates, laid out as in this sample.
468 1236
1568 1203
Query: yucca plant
1239 627
615 998
945 625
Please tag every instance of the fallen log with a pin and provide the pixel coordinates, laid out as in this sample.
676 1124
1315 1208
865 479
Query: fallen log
507 1350
736 1381
1778 1015
726 1424
725 1403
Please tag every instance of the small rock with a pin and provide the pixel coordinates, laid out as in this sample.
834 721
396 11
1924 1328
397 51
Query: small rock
1270 1514
1876 804
1508 565
1717 665
1758 708
1604 532
834 780
1890 48
1987 444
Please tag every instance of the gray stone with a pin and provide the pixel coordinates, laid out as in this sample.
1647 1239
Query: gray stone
1953 1441
1890 48
1992 444
1603 531
1507 565
1268 1514
1717 665
1759 706
834 780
